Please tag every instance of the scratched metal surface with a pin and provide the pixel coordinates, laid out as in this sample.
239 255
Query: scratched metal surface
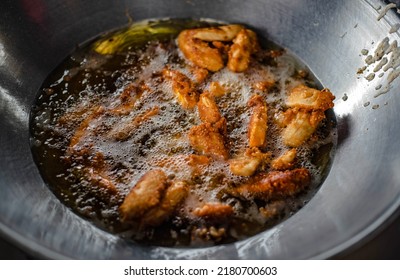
360 194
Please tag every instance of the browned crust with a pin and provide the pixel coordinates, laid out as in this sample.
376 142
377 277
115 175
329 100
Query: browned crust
207 139
214 211
275 184
258 124
208 109
144 195
198 51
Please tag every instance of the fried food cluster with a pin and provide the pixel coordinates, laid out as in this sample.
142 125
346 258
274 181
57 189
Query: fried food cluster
306 110
253 172
208 47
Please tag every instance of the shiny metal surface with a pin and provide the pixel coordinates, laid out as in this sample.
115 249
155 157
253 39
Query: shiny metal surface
360 193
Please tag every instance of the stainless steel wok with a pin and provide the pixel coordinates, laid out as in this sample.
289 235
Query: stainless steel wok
361 192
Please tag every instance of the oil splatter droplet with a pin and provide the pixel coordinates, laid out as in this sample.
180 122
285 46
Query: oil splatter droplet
370 77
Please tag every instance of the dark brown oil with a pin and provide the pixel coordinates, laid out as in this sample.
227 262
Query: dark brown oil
94 75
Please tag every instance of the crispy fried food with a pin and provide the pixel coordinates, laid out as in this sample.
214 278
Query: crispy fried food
247 164
194 46
214 211
244 166
285 161
208 109
308 98
174 195
95 113
223 33
301 125
207 139
282 119
124 132
144 195
307 106
264 79
199 52
244 45
131 93
275 185
182 87
257 130
199 74
217 89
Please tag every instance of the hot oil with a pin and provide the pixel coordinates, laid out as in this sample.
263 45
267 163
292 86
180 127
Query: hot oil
96 75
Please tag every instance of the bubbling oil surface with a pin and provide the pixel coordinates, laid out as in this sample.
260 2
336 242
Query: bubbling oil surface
87 80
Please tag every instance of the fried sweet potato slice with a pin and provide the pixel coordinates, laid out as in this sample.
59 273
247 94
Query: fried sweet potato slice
258 125
244 165
194 45
144 195
244 45
275 185
284 161
182 87
208 140
217 89
208 109
302 124
247 164
308 98
307 110
174 195
199 52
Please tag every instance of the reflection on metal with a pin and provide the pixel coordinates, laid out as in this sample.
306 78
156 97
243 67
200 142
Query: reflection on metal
12 109
2 54
355 97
